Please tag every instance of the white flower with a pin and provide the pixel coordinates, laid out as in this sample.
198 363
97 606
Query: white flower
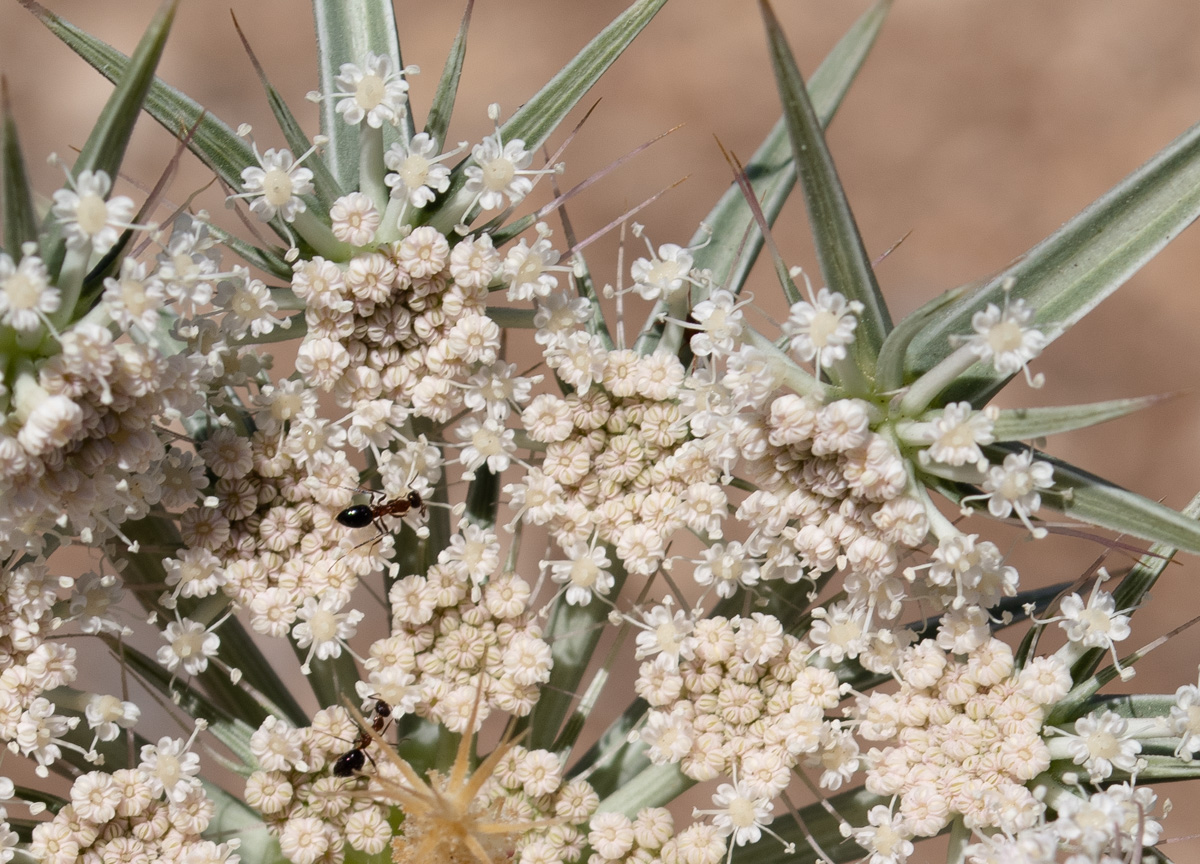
248 307
324 628
171 767
662 275
196 573
1101 743
957 434
277 746
487 442
1013 487
416 172
354 219
529 270
886 836
557 315
1096 625
585 572
527 659
275 185
95 797
26 295
740 813
579 359
668 737
107 715
134 298
497 172
1004 337
87 218
189 264
424 252
611 835
667 635
188 644
728 566
1185 721
720 320
374 91
39 730
823 328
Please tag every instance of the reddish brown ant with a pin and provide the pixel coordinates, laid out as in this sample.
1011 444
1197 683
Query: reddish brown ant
362 515
353 760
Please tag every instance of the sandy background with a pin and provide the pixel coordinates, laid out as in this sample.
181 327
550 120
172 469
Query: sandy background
978 127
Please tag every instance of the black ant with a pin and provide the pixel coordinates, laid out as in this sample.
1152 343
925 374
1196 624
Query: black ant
353 760
362 515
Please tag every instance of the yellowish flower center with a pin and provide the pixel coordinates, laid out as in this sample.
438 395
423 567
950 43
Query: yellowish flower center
91 214
369 92
277 187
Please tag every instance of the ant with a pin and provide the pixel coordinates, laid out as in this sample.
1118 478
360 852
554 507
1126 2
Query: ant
353 760
362 515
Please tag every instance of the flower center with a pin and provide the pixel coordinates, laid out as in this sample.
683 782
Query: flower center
824 324
584 572
277 187
324 626
668 637
167 769
91 214
498 173
486 442
369 92
414 171
1004 337
741 812
1096 620
23 292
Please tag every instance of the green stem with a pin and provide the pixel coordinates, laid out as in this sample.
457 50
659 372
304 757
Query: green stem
70 283
960 836
320 237
926 388
389 226
370 165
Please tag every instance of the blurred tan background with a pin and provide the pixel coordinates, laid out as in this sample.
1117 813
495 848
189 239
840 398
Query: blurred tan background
978 127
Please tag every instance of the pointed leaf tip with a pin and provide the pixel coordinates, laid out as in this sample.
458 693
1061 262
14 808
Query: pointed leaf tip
843 258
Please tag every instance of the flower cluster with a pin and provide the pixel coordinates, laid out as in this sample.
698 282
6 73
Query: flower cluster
442 642
155 811
313 812
79 451
402 325
785 476
968 737
738 698
618 465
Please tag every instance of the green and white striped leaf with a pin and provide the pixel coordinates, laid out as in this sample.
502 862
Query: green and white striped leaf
772 173
844 262
1067 275
347 30
20 219
1023 424
536 119
105 146
440 111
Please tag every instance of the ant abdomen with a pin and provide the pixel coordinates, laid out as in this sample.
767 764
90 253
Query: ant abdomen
357 516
